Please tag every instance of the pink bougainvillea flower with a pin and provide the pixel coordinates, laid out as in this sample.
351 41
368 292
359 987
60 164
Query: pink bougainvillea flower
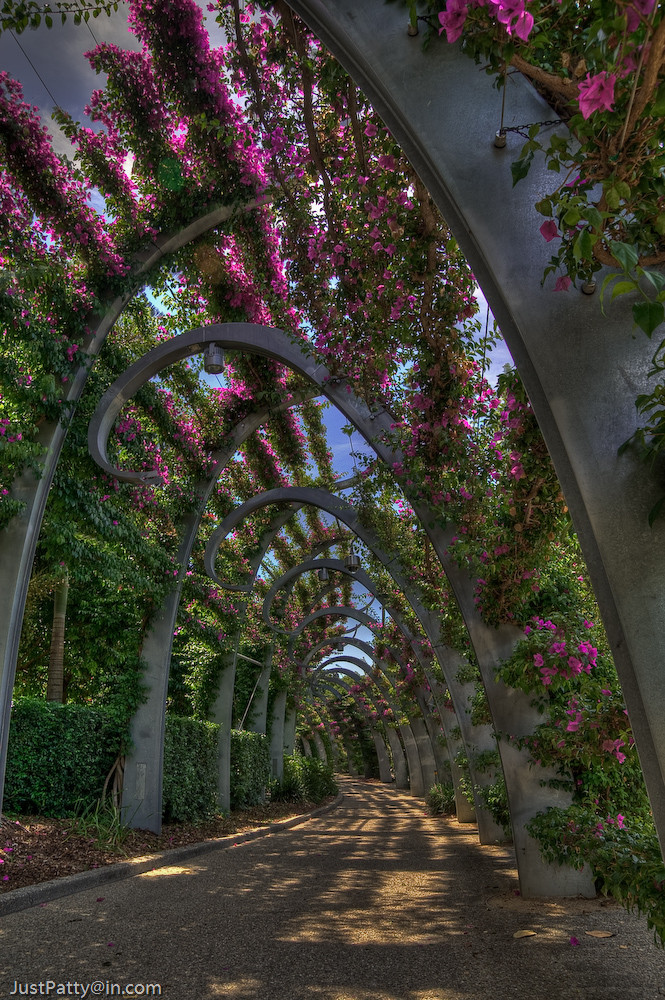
562 284
514 16
453 18
574 942
523 26
636 11
549 230
596 93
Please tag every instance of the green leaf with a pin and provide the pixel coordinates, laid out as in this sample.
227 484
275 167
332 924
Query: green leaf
625 254
623 190
583 246
612 198
544 207
622 288
648 315
593 216
520 168
656 511
655 279
572 217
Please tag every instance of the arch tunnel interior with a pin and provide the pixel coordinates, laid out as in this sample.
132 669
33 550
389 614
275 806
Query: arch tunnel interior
432 612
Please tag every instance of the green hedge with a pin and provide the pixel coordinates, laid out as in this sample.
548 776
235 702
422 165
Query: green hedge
190 770
305 779
58 757
250 767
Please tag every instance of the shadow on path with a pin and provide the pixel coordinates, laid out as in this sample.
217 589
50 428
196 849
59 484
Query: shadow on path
374 901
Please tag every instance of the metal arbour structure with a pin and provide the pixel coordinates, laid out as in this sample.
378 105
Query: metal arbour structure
511 710
400 773
430 757
526 793
582 369
473 738
380 746
582 372
287 580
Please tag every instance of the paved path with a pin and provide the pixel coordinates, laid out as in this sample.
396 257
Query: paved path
373 901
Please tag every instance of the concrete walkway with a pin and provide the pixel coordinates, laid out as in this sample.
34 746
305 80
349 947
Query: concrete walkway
373 901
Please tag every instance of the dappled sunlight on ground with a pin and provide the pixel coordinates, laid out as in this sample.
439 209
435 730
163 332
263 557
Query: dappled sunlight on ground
374 901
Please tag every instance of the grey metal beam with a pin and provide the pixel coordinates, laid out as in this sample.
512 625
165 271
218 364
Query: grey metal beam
510 708
582 370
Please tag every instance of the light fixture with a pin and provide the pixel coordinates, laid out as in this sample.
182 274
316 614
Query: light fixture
324 575
352 562
151 477
213 359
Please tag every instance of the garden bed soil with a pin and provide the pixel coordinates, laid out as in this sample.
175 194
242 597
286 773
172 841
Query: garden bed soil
35 849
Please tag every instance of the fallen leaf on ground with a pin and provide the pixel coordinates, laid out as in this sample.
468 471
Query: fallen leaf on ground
600 934
521 934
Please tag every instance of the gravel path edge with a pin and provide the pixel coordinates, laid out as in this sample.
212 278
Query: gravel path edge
43 892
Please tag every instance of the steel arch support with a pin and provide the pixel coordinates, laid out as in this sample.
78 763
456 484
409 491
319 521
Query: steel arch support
380 746
511 709
277 736
582 370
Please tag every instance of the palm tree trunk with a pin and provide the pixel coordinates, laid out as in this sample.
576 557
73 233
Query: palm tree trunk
55 683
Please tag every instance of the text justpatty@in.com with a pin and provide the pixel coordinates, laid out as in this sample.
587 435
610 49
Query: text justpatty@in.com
100 988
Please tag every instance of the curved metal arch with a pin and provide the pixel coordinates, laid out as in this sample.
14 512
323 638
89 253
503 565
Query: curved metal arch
380 742
511 710
364 619
408 752
378 663
527 791
267 342
489 643
397 746
364 716
576 384
425 739
142 794
343 657
308 566
348 515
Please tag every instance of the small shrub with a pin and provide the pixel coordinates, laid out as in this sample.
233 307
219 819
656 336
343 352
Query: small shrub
102 823
495 798
305 779
441 799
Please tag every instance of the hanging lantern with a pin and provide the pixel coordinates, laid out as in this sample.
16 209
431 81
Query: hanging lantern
352 562
324 575
213 359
